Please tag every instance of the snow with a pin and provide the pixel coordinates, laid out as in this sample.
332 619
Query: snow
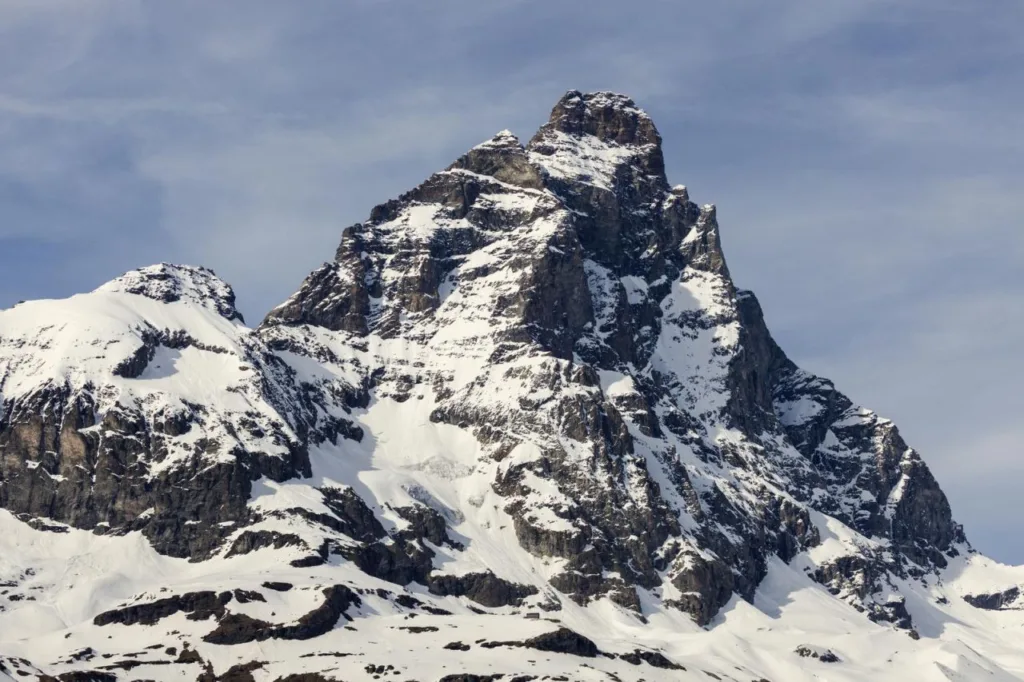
614 384
82 340
799 411
456 356
194 375
503 138
698 339
603 296
636 289
584 159
79 575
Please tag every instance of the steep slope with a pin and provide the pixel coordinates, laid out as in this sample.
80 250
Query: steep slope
574 313
144 405
528 383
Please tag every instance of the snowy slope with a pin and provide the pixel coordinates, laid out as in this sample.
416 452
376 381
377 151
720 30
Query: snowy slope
185 352
523 424
76 576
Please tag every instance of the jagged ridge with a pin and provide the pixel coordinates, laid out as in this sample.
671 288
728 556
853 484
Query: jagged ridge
529 381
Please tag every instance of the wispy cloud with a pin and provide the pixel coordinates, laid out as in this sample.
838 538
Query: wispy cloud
105 111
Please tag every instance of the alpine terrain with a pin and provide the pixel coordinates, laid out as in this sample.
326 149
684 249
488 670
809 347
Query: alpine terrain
522 426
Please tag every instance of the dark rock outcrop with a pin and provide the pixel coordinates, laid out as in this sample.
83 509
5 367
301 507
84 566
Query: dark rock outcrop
652 658
485 589
236 628
563 641
241 672
199 606
277 586
823 655
996 601
80 676
305 677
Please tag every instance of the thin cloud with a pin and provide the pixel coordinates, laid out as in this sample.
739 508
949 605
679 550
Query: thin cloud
105 111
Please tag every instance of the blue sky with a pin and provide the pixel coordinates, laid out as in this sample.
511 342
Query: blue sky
866 157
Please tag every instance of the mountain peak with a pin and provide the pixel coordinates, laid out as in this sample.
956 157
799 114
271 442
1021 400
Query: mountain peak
527 385
599 139
503 139
503 158
172 283
608 116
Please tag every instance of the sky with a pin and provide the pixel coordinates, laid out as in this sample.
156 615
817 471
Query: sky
866 158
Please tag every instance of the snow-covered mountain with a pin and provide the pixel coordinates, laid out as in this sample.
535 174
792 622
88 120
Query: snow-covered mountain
523 426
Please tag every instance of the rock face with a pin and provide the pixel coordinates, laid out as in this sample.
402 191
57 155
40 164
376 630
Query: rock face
996 601
100 429
541 344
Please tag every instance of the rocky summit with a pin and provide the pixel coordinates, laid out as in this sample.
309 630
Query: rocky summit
522 426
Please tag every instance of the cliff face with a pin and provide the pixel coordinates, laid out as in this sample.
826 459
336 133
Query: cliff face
528 381
563 297
143 405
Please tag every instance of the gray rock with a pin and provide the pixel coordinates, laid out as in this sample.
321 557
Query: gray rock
597 255
997 601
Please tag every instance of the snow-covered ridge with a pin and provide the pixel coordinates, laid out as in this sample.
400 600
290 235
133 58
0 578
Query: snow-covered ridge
86 338
150 378
171 283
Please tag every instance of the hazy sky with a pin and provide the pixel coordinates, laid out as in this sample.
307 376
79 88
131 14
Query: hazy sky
866 157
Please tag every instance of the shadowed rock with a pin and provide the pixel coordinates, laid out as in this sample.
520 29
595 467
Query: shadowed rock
239 629
563 641
996 601
199 606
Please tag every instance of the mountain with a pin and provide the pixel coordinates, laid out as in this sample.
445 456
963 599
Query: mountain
522 426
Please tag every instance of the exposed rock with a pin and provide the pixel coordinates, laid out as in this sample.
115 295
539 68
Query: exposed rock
823 655
997 601
563 641
241 672
250 541
131 664
277 586
483 588
171 283
416 629
238 628
652 658
199 606
305 677
247 596
357 521
705 585
81 676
